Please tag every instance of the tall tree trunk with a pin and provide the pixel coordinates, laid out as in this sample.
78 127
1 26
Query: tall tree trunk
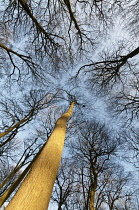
93 187
92 199
36 189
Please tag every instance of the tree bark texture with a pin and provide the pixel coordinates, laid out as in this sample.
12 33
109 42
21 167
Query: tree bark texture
92 199
93 187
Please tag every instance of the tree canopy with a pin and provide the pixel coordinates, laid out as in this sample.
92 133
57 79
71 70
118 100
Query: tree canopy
56 52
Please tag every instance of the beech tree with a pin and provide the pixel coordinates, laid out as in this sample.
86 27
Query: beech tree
69 45
43 170
93 150
91 178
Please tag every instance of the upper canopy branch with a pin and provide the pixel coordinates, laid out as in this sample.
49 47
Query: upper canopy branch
37 24
109 69
120 62
68 5
23 57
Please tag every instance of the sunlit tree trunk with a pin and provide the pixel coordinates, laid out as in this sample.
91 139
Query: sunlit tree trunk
92 199
35 191
93 187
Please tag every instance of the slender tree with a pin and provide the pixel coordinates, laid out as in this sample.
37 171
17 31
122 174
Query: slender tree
93 150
